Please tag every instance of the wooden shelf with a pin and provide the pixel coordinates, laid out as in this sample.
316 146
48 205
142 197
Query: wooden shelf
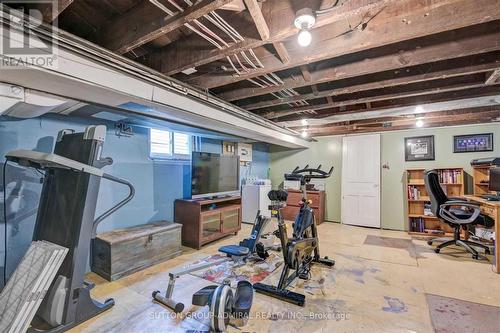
423 216
481 174
415 207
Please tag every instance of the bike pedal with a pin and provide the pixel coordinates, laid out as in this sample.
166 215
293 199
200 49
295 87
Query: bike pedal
304 276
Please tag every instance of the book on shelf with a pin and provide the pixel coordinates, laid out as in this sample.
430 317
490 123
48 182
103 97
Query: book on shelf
417 224
413 192
450 176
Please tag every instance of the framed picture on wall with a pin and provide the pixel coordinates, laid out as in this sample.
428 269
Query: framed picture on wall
473 143
419 148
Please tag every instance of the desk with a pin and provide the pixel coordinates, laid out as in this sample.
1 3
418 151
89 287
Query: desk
492 209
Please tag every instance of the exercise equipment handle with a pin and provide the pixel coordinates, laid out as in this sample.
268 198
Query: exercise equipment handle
314 173
118 205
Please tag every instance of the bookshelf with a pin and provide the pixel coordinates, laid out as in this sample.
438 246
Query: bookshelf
420 220
481 179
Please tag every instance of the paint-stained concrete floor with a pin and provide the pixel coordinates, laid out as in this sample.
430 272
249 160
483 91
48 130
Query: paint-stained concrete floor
377 285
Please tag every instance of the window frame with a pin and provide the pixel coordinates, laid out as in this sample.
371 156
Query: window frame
171 157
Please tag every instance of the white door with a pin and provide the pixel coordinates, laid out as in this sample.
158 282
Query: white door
361 180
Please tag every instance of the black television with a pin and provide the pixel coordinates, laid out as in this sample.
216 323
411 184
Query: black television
214 175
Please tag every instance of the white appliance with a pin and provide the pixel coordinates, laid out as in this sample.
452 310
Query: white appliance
253 199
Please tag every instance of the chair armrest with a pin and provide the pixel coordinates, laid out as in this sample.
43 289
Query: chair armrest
458 199
447 214
461 203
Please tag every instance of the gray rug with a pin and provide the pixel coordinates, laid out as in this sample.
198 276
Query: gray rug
450 315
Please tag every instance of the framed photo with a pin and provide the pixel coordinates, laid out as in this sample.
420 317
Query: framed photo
419 148
473 143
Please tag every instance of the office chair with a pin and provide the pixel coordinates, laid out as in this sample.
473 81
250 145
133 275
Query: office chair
457 212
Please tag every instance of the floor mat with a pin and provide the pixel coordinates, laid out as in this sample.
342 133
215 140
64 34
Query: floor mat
454 315
396 243
255 270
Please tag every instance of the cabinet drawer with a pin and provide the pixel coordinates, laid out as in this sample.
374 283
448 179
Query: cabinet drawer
291 212
294 199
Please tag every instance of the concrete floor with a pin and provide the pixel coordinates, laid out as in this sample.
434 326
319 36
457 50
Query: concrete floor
376 286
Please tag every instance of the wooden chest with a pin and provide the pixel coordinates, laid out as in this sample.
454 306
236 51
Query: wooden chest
122 252
293 205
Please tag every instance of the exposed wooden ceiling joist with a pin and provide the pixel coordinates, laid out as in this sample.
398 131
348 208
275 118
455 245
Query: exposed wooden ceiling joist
441 101
430 90
282 52
494 77
432 119
465 42
403 20
279 15
259 20
145 22
433 74
50 11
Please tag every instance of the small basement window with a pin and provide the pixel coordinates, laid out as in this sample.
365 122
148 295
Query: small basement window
168 145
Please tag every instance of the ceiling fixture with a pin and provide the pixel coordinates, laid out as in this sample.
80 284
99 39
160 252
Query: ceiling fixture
304 20
419 109
304 122
419 123
304 134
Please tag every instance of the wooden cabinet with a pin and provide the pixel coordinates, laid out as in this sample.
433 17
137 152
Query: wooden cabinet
205 220
420 220
293 205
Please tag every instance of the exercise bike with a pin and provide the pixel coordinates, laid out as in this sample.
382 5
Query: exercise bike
302 250
224 305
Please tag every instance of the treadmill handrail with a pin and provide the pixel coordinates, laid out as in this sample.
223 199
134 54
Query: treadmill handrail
39 160
113 209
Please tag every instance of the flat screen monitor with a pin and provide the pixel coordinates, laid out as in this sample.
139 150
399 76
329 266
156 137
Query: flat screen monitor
494 179
214 175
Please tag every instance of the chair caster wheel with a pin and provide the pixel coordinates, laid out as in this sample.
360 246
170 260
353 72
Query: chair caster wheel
475 256
437 250
486 251
429 242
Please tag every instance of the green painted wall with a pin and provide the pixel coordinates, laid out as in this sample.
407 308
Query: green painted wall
327 151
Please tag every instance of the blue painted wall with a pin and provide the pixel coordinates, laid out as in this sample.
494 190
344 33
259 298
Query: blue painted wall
157 183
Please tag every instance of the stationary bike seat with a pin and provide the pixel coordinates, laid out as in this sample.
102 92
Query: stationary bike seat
234 250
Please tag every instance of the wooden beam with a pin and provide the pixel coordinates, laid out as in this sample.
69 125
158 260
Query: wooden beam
279 15
440 47
235 6
51 12
315 91
493 78
145 22
437 74
282 52
258 18
305 73
431 119
437 101
438 17
426 91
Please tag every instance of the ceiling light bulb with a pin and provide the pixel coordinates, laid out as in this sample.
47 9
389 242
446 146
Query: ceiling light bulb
304 122
304 134
304 18
304 38
419 109
419 123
